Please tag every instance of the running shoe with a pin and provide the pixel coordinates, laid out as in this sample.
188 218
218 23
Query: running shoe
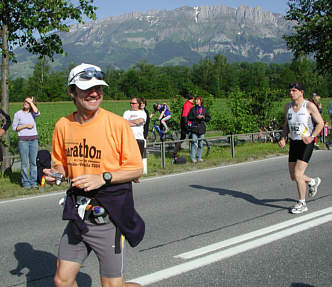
299 207
314 188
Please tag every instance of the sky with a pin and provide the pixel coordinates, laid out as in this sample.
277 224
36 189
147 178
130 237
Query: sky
115 8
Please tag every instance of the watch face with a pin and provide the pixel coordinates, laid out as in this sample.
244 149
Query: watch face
107 176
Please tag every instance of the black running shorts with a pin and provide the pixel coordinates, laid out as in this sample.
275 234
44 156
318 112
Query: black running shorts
298 150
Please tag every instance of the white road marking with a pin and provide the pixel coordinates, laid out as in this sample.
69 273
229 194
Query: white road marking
228 252
32 197
251 235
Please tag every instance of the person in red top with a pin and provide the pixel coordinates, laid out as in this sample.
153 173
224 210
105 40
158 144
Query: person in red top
187 106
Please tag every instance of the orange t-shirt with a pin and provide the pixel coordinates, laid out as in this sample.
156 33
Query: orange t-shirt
106 143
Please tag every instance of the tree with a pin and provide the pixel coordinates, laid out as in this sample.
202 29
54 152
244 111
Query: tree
202 74
37 84
313 31
33 24
130 83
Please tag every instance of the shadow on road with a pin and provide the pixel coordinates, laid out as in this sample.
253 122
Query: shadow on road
248 197
41 267
300 285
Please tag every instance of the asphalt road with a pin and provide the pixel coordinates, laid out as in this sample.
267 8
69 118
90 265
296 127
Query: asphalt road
226 226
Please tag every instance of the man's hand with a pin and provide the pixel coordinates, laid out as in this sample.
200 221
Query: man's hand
2 131
88 182
48 176
282 143
308 140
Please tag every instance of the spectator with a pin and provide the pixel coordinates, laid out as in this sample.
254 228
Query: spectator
136 119
324 132
328 143
97 150
4 126
330 111
142 105
198 116
165 114
184 123
25 124
316 100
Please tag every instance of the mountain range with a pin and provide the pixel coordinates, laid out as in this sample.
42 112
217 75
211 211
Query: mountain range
182 36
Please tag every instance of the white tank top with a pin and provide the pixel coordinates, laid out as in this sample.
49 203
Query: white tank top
300 123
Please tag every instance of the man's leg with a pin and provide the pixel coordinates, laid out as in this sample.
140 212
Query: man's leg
296 171
193 148
117 282
182 137
200 147
66 273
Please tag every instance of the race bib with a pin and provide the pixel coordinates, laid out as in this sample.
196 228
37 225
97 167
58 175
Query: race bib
298 129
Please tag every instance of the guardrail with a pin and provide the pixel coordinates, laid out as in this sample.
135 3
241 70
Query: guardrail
227 140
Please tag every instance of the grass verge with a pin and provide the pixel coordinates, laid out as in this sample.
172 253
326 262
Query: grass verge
218 156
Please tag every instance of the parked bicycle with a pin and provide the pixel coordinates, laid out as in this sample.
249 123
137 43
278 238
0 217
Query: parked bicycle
271 133
156 132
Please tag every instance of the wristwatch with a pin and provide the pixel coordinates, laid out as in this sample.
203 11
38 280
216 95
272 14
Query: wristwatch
107 176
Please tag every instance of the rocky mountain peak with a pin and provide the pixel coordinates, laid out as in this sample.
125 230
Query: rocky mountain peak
181 36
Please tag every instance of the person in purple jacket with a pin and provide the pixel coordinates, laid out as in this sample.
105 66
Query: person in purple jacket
24 124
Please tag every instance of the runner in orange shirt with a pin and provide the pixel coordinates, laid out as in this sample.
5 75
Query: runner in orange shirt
97 150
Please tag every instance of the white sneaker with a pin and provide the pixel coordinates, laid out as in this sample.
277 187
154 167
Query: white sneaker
299 207
314 188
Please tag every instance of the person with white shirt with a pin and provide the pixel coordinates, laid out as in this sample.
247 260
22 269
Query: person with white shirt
300 115
136 119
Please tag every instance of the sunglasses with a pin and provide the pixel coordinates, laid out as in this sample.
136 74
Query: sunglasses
89 73
133 103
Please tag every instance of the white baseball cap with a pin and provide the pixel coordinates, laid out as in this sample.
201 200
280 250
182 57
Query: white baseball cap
85 76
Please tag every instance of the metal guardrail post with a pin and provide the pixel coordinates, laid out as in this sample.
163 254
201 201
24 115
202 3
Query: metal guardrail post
232 146
163 154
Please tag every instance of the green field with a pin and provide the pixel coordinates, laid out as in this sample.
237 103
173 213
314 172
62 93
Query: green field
51 112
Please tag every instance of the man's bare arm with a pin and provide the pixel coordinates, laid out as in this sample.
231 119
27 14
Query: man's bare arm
315 114
136 122
93 181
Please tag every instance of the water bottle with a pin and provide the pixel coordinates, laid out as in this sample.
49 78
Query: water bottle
42 183
99 215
